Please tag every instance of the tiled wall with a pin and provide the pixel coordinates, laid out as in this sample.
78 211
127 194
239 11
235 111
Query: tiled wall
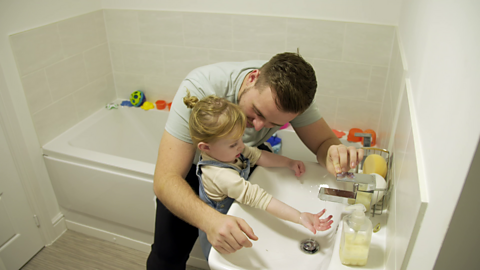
396 133
395 83
155 50
65 70
66 67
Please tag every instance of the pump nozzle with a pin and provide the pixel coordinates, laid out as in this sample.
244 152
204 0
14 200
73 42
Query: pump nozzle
357 218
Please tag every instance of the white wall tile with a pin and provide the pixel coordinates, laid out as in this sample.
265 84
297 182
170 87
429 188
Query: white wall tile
408 201
395 79
328 109
208 30
142 58
82 33
316 38
368 43
180 61
216 56
37 91
66 76
352 113
93 97
116 56
402 133
342 79
161 87
97 62
55 119
161 27
122 25
36 48
259 34
384 131
376 88
126 84
397 73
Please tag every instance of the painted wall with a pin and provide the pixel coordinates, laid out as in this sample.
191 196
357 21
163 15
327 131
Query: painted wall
441 41
365 11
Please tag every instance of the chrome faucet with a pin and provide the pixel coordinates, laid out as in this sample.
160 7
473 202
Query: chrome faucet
367 138
362 183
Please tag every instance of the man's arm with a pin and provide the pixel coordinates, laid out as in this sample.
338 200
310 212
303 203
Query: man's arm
331 154
225 233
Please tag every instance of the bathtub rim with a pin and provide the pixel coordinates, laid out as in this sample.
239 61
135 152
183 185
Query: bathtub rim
60 148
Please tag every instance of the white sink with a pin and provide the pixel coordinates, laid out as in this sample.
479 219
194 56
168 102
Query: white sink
278 246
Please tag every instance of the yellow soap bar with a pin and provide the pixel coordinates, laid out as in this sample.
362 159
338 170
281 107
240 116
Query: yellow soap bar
375 164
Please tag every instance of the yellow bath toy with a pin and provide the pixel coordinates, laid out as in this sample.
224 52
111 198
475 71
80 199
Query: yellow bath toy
147 106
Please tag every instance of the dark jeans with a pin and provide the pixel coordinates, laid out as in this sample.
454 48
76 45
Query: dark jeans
174 238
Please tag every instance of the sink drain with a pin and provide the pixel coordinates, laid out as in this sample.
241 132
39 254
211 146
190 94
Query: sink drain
309 246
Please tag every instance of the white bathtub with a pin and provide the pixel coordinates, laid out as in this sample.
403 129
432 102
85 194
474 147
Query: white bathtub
102 174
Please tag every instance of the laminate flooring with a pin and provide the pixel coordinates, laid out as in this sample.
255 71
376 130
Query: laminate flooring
76 251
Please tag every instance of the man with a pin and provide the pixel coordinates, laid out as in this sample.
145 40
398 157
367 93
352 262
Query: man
270 94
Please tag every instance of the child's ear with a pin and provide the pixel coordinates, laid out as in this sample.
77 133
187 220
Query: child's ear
203 146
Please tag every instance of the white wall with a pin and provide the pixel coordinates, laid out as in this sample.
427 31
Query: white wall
17 16
441 41
366 11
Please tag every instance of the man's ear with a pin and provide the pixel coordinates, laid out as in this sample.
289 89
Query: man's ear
253 76
203 146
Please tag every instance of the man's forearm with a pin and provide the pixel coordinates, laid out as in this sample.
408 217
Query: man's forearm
177 195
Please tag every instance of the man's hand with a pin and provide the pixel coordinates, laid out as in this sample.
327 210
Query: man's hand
342 159
228 234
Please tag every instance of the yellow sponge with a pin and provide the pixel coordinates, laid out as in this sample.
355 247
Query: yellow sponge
375 164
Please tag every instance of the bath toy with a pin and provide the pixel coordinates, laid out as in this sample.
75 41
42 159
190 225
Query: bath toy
275 142
147 106
111 106
285 126
137 98
126 103
161 104
339 134
351 135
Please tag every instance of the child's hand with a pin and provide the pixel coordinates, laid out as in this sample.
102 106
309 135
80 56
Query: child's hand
314 223
297 166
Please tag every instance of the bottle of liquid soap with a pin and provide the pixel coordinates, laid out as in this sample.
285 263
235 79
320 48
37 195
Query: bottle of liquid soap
356 236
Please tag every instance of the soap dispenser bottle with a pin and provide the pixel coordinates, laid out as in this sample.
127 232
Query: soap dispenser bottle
356 236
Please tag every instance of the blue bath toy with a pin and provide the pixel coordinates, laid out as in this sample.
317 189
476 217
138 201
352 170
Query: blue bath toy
137 98
126 103
276 143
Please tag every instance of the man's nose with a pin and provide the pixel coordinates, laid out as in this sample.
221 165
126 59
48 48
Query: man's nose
258 124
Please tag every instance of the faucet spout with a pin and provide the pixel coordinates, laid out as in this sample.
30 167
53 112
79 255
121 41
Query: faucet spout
337 195
363 187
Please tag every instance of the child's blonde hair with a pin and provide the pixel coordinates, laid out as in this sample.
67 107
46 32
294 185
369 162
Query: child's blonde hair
213 118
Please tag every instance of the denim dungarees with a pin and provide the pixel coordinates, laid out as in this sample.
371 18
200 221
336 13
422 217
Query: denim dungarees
223 205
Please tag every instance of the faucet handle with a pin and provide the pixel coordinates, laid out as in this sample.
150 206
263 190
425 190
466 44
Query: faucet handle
367 138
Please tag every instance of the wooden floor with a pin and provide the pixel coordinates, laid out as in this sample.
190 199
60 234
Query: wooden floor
74 251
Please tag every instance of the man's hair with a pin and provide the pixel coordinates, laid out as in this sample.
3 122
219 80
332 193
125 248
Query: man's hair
213 118
292 79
